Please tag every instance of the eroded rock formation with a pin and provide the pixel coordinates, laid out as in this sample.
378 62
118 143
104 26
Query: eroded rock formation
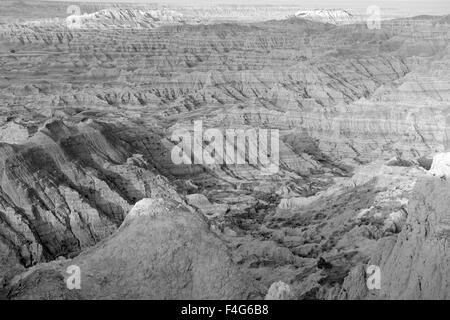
86 119
162 250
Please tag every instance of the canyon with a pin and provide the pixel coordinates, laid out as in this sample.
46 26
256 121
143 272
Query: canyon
87 115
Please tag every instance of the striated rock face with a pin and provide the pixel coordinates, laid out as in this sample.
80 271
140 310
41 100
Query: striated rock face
126 18
163 250
415 265
68 187
113 18
86 122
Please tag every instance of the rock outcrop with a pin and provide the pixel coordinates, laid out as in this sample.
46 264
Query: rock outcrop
68 187
279 291
163 250
86 122
441 164
415 265
334 16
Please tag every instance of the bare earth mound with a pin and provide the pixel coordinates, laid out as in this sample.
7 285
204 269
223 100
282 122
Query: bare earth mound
162 250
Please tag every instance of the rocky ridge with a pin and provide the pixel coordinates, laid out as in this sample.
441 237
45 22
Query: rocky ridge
86 118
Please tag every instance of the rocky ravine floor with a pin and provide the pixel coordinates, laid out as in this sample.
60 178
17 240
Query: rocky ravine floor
86 118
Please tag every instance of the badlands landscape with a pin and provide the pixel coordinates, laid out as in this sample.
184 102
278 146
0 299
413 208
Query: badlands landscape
90 98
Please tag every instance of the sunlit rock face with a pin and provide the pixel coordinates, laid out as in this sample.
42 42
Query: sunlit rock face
87 115
334 16
423 239
413 262
440 165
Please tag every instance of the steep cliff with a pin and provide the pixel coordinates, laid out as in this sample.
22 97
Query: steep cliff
67 187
